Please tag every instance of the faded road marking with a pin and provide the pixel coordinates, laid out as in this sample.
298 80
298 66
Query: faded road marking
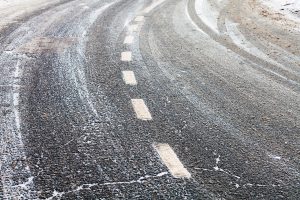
128 39
126 56
129 78
133 28
141 110
139 19
171 160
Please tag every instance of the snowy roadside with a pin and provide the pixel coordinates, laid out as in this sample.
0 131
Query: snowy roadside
209 11
12 10
287 8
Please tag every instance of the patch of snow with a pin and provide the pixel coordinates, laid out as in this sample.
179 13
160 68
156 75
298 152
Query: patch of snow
275 157
153 5
12 10
207 14
289 8
239 40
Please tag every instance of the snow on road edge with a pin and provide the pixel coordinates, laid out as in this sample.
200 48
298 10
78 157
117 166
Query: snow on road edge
288 8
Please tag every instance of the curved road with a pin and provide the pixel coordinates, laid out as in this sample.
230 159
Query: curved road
103 99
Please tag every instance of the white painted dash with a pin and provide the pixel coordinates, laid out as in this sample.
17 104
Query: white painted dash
129 78
128 39
170 159
141 110
133 28
16 99
126 56
139 19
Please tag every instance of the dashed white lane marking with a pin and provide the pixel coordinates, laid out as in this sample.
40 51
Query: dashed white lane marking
16 99
128 39
139 19
133 28
141 110
171 160
126 56
129 78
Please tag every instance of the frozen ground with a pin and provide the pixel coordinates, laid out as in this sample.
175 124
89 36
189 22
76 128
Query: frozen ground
220 80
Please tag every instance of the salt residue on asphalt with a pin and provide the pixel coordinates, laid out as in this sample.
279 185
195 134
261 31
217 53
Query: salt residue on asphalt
289 8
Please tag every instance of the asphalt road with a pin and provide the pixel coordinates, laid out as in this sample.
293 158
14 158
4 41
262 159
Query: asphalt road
89 90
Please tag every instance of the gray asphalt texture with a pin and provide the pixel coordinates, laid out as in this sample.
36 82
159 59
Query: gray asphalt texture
232 118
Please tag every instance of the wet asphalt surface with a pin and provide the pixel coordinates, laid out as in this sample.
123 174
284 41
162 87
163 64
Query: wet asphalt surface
232 118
